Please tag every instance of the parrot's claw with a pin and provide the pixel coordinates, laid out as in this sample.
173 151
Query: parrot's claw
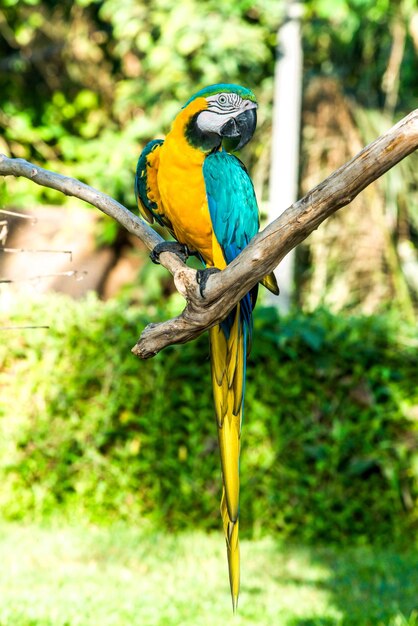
181 250
202 277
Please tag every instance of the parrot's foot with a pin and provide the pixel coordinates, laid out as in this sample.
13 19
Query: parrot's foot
202 278
181 250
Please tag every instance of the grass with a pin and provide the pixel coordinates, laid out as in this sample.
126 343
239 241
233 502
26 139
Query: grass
81 575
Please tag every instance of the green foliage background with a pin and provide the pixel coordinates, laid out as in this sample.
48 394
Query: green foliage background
85 84
329 446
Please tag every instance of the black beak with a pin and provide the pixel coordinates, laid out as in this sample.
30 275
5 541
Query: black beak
240 128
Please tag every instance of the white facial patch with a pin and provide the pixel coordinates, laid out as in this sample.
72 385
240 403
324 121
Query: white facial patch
211 121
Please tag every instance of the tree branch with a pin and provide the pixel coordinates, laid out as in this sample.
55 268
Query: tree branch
265 251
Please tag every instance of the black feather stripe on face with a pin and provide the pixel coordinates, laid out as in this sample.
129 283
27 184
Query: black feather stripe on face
207 142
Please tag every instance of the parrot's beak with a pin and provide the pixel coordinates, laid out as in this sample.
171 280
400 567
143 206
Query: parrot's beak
241 127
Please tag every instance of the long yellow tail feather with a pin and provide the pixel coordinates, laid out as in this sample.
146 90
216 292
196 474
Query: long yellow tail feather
228 371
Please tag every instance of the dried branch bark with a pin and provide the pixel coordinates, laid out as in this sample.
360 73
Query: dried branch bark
265 251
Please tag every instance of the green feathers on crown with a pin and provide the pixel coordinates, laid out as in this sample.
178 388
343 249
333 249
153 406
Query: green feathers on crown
211 90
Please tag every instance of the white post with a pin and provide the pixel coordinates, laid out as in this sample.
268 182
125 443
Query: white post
284 173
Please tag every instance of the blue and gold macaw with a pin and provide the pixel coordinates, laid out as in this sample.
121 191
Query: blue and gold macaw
203 195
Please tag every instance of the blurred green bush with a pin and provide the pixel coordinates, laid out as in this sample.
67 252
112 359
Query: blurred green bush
329 440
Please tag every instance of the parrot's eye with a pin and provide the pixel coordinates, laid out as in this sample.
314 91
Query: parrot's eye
222 99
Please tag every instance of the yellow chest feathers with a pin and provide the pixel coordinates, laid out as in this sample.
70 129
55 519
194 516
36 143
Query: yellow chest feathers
182 186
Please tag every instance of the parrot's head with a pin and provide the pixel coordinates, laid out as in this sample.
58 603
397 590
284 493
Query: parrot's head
221 113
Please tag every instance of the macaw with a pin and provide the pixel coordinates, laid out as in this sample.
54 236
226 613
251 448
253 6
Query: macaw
203 195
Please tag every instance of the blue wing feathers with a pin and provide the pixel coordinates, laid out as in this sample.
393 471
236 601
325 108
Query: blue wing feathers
232 202
234 215
149 206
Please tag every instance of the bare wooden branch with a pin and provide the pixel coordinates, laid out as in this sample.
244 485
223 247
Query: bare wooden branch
265 251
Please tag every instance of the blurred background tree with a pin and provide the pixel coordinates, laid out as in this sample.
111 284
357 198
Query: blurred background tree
361 62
